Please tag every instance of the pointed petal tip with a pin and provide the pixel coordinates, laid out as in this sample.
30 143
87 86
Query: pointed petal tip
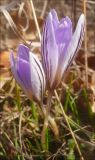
53 14
53 11
82 18
82 15
68 21
21 46
23 51
81 24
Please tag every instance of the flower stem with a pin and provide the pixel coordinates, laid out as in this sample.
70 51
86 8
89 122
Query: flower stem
18 98
33 110
46 114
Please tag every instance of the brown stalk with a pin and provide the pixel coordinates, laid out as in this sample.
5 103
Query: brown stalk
85 43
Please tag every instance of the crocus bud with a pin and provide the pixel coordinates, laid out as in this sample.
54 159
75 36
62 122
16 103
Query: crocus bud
59 46
28 73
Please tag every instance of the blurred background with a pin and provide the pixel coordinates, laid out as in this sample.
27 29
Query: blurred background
17 25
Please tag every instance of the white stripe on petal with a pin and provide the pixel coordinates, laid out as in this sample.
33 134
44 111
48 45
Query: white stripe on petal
41 72
37 77
49 50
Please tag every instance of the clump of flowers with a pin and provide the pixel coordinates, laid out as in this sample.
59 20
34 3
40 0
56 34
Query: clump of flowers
59 46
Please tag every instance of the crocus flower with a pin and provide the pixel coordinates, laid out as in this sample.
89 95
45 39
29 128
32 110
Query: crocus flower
59 46
28 73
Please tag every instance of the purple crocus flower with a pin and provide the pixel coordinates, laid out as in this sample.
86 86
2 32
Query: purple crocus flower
28 73
59 46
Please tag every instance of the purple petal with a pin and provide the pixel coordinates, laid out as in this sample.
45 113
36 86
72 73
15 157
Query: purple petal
55 20
49 50
14 71
75 44
63 37
54 15
23 71
23 52
64 31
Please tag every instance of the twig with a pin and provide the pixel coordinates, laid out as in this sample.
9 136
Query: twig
85 44
9 6
12 24
44 9
35 18
88 144
20 126
22 10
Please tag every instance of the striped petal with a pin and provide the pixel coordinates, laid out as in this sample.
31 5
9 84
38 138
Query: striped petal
74 45
29 74
37 77
49 51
